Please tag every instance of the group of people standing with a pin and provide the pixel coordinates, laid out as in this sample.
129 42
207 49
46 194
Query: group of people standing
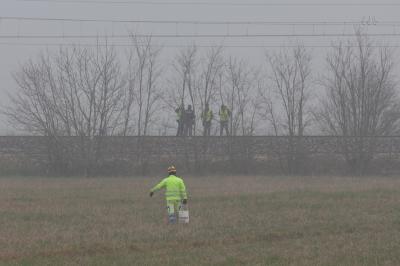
186 119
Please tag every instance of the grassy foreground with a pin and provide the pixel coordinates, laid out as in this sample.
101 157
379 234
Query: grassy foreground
234 221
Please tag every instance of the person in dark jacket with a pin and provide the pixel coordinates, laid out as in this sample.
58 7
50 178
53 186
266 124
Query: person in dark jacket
189 120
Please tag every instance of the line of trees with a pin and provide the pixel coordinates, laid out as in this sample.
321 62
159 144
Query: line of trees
96 92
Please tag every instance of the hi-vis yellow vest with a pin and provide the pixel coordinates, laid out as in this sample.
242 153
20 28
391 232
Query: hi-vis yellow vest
208 116
174 188
224 114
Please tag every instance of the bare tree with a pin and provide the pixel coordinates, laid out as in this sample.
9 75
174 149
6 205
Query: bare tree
185 66
361 98
211 70
75 92
197 77
240 95
290 78
183 87
143 93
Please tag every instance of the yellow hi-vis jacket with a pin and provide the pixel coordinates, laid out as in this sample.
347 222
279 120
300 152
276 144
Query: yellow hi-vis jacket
224 114
174 188
207 116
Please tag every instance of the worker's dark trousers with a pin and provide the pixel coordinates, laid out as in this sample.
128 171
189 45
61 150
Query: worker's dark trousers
224 125
207 129
188 130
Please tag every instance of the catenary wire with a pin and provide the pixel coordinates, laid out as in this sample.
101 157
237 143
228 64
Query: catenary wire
215 3
184 46
207 22
226 36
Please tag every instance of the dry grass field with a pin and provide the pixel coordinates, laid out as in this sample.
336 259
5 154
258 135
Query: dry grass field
234 221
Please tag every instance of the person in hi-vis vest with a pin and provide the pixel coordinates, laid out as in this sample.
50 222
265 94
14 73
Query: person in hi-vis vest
175 193
224 115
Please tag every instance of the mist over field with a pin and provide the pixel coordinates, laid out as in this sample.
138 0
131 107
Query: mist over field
199 132
231 51
235 220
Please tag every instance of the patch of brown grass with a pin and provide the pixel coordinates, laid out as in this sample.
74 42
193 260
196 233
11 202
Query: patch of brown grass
234 220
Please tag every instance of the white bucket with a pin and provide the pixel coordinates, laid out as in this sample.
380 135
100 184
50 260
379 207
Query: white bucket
183 214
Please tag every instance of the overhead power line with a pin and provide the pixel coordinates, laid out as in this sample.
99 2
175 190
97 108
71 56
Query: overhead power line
225 36
208 22
180 45
216 3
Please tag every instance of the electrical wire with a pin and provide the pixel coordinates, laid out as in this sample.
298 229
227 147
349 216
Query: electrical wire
209 22
183 45
215 3
225 36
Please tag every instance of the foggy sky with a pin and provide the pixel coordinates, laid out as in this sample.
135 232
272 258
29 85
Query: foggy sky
11 56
